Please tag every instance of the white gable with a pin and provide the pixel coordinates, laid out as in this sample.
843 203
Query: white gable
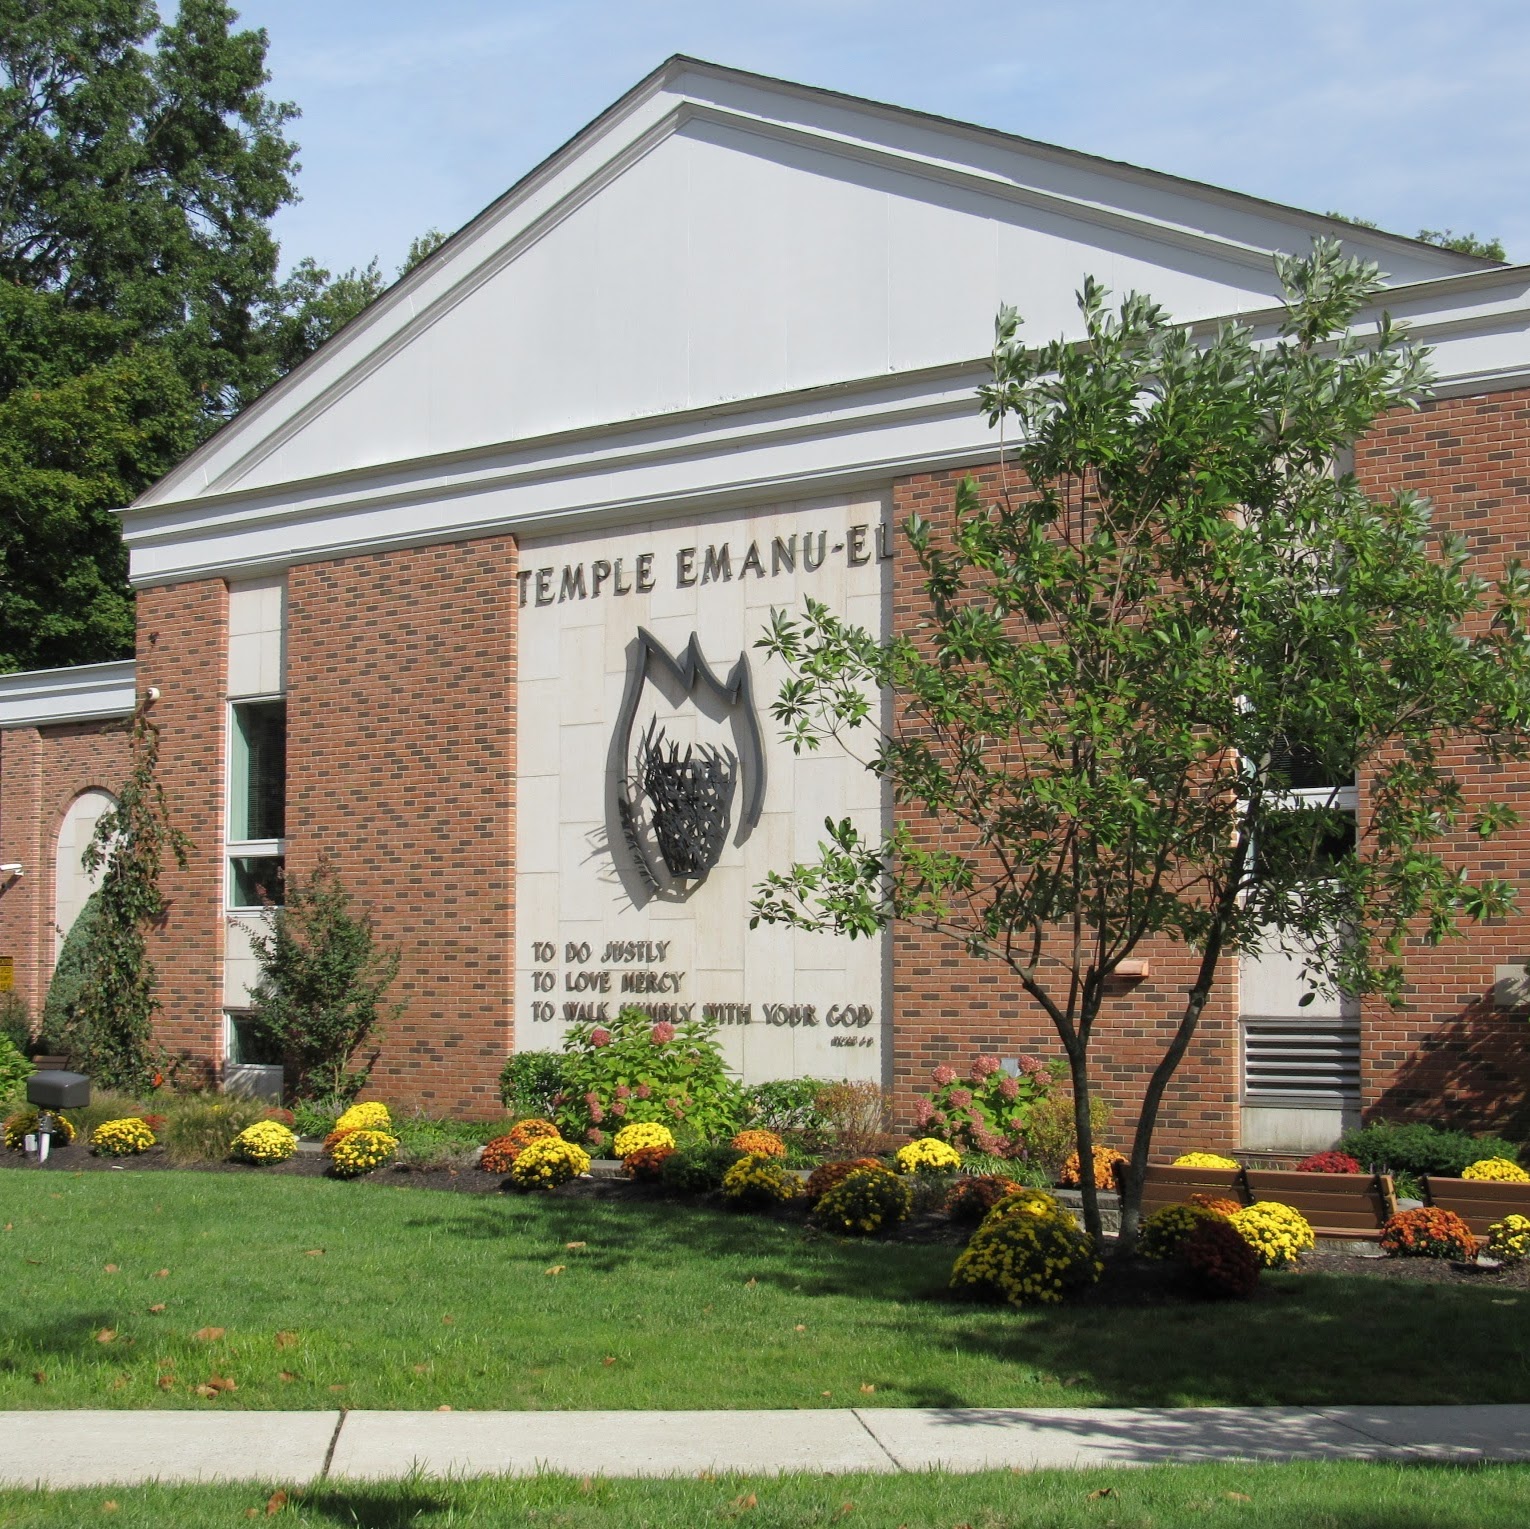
717 238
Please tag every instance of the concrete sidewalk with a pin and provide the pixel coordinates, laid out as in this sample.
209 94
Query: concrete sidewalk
58 1449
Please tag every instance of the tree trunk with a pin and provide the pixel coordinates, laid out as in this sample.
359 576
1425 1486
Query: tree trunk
1078 1071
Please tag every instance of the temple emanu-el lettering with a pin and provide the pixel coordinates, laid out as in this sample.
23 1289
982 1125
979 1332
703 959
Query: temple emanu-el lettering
470 602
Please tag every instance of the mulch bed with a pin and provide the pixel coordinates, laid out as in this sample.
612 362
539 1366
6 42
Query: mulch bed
1138 1282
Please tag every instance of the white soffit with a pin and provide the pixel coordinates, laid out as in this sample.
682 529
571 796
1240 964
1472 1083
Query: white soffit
722 285
85 693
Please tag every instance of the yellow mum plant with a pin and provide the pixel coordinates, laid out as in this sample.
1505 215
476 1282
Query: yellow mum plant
549 1162
1276 1232
359 1151
24 1123
758 1181
372 1116
1038 1204
759 1144
1205 1160
1509 1239
1027 1259
1165 1230
1498 1170
646 1133
864 1202
267 1141
121 1138
927 1155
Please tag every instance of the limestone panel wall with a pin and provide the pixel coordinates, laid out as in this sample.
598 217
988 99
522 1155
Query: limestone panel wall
612 911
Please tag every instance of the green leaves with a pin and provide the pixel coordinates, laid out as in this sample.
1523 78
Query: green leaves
1146 678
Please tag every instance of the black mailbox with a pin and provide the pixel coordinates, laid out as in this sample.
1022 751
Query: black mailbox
58 1090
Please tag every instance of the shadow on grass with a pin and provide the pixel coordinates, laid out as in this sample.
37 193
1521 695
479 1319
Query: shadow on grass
1331 1341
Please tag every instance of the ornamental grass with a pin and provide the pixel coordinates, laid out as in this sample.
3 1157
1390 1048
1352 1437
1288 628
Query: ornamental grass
1276 1232
121 1138
548 1162
864 1202
1428 1232
927 1155
1496 1170
1105 1160
361 1151
267 1141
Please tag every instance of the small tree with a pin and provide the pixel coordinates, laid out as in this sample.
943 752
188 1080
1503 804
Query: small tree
322 977
107 1020
1178 615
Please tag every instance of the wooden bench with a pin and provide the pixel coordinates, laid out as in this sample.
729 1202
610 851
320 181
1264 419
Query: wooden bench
1478 1202
1349 1207
1173 1186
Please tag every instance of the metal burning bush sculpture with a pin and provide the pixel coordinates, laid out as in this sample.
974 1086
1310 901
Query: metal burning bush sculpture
691 796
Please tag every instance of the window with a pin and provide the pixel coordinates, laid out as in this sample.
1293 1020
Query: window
247 1044
257 803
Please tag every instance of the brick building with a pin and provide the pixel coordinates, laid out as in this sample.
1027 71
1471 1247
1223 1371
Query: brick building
471 595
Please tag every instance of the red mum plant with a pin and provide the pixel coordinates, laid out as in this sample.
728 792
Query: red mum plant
1428 1232
1329 1162
1219 1203
826 1175
157 1123
644 1164
1217 1263
971 1199
334 1138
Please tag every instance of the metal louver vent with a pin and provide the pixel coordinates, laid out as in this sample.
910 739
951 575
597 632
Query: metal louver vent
1300 1061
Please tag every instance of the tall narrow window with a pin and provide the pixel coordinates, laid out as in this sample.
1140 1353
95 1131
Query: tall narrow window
257 806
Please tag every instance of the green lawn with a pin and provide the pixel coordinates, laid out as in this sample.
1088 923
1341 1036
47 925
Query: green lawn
1299 1496
312 1293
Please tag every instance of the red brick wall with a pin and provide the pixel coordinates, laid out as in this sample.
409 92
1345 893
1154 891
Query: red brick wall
949 1006
401 764
1450 1054
42 770
183 650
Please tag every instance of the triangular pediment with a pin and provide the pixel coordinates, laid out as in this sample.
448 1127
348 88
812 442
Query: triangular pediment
716 237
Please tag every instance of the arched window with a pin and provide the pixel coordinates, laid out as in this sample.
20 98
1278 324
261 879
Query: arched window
72 883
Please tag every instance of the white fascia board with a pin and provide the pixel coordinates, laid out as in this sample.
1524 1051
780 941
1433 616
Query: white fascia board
831 440
85 693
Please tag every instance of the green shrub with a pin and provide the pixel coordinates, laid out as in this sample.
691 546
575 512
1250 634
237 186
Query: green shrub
319 1000
865 1202
1049 1138
200 1128
698 1170
987 1109
425 1142
16 1022
15 1069
530 1081
632 1069
1416 1148
787 1104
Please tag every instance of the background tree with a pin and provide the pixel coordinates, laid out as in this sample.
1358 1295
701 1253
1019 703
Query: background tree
322 978
107 1026
141 163
1179 613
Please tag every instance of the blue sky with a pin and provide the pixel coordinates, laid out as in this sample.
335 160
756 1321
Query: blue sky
417 115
